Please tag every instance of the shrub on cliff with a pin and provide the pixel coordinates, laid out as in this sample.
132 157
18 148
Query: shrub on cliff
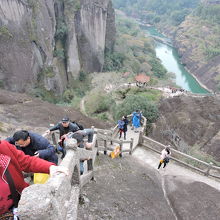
98 102
134 102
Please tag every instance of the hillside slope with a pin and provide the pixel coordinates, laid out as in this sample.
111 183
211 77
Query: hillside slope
20 111
197 42
192 124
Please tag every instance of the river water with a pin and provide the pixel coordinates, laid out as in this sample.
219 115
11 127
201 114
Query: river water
171 61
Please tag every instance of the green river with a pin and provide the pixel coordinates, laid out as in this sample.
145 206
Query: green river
170 60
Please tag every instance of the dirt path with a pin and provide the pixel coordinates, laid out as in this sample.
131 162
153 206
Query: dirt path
82 107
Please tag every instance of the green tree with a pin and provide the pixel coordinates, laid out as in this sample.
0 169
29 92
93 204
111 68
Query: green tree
113 61
134 102
157 68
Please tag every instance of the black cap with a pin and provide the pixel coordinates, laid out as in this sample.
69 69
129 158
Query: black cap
65 119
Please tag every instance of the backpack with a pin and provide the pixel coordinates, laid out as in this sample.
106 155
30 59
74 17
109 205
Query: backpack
79 125
121 124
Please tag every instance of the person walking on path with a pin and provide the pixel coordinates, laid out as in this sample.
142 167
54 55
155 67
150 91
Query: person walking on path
12 163
121 124
164 157
136 120
125 129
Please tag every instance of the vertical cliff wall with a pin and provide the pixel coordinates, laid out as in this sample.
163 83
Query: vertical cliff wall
46 43
91 28
26 41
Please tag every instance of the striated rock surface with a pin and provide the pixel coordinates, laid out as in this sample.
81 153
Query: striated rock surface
190 124
91 28
46 43
26 41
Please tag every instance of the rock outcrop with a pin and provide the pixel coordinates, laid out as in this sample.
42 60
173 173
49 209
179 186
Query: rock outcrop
190 124
46 43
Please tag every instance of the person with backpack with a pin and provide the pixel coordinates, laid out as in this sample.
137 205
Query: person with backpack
164 157
121 124
80 144
33 144
64 127
12 163
125 129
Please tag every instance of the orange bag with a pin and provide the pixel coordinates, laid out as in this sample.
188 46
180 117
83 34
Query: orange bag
115 153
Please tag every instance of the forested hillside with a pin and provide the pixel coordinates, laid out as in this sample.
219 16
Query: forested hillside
155 11
194 27
198 42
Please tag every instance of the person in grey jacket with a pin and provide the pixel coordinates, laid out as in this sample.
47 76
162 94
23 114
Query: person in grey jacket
34 145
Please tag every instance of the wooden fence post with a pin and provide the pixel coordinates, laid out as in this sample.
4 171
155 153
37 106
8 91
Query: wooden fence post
89 164
131 145
140 137
105 146
120 148
97 146
209 168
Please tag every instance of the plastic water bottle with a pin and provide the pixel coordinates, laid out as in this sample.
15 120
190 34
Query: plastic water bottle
15 212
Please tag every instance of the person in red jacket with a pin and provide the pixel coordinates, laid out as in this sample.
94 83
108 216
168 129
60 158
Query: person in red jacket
14 161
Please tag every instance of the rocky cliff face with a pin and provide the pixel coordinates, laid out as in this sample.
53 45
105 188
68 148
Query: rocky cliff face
191 124
48 42
91 27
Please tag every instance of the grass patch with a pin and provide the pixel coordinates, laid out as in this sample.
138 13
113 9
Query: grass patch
5 33
197 153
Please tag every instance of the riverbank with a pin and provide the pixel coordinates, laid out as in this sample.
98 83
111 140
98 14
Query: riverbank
171 60
198 81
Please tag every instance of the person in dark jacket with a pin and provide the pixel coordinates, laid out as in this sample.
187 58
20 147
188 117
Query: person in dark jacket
125 129
64 127
12 163
34 145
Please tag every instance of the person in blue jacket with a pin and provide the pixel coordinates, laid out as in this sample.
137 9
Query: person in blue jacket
136 120
34 145
121 124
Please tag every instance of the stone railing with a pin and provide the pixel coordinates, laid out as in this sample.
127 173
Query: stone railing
108 137
58 198
206 168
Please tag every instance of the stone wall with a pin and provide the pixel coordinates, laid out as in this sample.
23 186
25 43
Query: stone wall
58 198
